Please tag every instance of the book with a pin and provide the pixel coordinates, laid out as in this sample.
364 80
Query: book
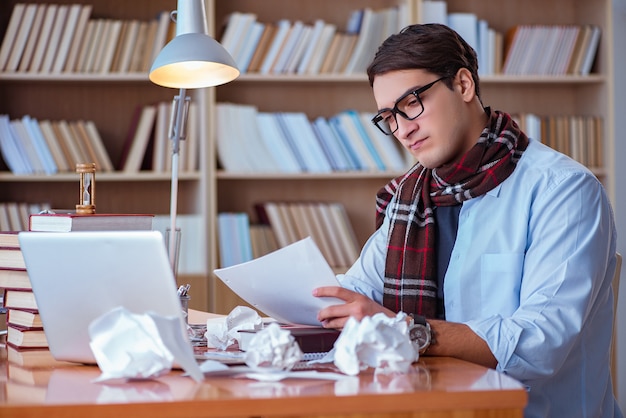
310 339
21 38
67 222
11 33
54 145
11 257
140 139
14 278
20 299
78 38
42 39
32 358
9 239
52 48
26 337
26 318
33 36
67 35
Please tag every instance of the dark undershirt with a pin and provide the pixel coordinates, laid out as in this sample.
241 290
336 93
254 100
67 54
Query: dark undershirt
447 222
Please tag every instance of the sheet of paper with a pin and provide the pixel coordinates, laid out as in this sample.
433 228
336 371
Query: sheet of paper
280 284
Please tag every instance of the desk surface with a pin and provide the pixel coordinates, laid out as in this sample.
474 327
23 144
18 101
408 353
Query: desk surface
448 386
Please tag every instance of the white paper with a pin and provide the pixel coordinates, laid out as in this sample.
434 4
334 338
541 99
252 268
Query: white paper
280 284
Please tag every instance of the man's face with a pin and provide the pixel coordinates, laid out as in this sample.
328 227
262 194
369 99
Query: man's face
441 133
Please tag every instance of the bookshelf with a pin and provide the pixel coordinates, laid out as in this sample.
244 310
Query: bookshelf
327 94
109 99
212 190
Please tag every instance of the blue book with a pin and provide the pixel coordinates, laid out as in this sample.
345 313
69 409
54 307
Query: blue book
356 120
344 141
331 144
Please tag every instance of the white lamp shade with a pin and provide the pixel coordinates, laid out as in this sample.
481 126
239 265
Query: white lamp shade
193 60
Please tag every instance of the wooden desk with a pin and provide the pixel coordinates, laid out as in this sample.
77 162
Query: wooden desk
441 387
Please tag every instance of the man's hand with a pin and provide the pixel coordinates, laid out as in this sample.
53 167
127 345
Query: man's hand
356 305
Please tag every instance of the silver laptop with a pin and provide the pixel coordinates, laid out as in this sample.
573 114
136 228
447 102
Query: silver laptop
79 276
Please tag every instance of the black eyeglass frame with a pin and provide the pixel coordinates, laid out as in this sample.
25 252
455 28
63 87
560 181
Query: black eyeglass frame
395 111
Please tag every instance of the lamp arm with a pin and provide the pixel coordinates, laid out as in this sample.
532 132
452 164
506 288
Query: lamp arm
177 133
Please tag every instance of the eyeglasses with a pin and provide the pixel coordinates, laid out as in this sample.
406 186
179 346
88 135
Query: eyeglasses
409 106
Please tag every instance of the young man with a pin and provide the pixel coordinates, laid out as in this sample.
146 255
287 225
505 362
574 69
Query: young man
506 246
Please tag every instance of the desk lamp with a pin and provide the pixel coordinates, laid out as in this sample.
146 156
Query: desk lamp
191 60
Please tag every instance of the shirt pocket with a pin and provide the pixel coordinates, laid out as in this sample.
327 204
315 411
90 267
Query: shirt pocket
500 282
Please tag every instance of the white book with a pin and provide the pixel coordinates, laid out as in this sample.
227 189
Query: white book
93 49
85 46
243 27
364 40
41 146
349 242
249 46
99 48
466 25
141 138
321 49
590 52
258 156
228 149
312 44
33 36
19 43
276 143
110 44
333 234
288 47
299 49
43 38
128 47
434 11
161 140
483 47
11 33
234 30
567 49
310 140
192 143
305 141
55 38
160 37
283 27
78 38
70 26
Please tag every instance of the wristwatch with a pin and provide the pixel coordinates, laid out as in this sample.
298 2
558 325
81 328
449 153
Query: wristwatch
420 333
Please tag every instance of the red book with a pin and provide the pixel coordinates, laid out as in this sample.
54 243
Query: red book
19 299
11 258
67 222
25 337
14 278
310 339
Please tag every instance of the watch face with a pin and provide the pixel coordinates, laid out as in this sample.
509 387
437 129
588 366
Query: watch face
420 336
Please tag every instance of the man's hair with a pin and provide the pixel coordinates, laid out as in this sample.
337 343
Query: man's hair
432 47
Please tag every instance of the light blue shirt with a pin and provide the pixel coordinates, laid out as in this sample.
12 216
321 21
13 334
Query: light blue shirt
530 273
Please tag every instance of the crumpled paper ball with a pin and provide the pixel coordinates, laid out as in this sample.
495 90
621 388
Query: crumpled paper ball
140 346
378 341
223 332
273 349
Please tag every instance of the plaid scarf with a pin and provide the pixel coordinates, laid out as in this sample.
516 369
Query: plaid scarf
410 283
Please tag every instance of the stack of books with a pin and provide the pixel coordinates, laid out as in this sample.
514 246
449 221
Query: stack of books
24 327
